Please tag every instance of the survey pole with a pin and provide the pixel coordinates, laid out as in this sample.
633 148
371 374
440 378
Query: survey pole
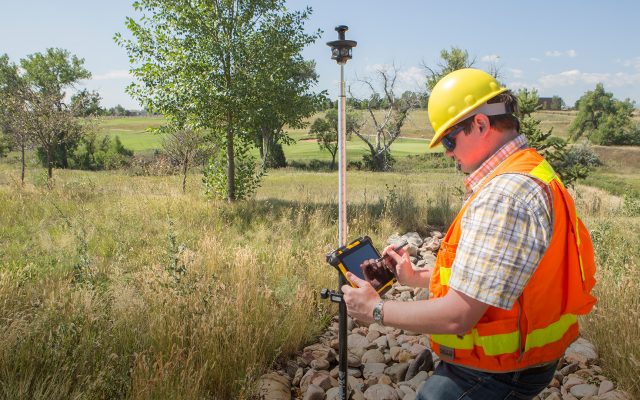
341 51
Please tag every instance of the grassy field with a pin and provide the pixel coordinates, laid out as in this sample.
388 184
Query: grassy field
118 286
134 134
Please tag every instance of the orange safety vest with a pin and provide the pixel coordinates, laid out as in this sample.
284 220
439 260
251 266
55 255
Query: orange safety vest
543 322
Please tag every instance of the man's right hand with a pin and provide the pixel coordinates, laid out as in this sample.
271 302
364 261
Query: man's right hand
400 263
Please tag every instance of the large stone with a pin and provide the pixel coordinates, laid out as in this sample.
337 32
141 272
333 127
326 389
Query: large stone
381 342
584 390
372 336
605 386
413 238
381 392
397 371
320 364
569 369
571 381
418 379
373 369
314 393
583 347
353 360
273 386
424 362
320 351
615 395
356 340
319 378
373 356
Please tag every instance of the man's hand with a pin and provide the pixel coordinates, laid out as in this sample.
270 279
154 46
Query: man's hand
401 263
360 301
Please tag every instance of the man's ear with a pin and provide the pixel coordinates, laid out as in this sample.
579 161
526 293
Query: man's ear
483 123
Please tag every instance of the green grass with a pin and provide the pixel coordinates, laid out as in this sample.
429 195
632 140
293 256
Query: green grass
133 132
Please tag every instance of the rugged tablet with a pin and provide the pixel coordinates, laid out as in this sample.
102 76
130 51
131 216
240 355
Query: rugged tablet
351 258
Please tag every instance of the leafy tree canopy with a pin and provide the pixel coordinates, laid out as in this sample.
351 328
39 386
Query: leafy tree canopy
604 119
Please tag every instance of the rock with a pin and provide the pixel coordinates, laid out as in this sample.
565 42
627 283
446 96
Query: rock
406 296
319 352
397 372
333 394
569 369
381 392
356 340
372 336
413 238
373 356
320 364
422 294
391 340
314 393
384 379
605 386
553 396
418 379
354 372
381 342
298 376
373 369
319 378
417 349
273 386
353 360
424 362
615 395
584 390
583 347
358 351
355 384
572 380
375 327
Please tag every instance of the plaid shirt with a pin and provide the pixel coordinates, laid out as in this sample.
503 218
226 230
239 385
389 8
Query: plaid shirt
505 232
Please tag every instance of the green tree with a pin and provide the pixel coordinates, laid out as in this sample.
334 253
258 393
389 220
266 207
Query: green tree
451 60
87 104
556 103
554 149
48 76
604 120
325 130
205 63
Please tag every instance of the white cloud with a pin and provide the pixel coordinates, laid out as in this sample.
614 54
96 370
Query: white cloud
557 53
634 62
516 73
575 77
412 78
490 58
535 59
110 75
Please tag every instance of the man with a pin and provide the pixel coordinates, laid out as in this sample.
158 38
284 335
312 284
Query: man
514 269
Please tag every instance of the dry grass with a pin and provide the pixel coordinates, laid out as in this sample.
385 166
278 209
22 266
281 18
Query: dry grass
123 287
614 324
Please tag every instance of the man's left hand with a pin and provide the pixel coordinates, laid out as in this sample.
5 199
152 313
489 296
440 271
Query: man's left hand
361 300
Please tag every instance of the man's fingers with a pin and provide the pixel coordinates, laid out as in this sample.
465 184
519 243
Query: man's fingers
358 282
391 252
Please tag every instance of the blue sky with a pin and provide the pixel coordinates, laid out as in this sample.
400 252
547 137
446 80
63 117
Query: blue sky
559 47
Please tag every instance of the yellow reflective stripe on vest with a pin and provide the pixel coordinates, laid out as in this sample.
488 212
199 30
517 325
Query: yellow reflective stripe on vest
544 172
445 274
504 343
551 333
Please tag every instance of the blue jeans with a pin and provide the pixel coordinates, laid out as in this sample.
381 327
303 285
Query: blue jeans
452 382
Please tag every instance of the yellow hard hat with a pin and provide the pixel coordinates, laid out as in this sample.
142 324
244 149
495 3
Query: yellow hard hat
456 96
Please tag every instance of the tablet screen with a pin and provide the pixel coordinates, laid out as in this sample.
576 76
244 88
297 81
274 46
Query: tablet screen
377 276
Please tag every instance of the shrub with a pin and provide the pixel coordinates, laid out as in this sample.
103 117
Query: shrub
96 155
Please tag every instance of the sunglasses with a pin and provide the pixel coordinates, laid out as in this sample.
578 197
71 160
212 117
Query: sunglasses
448 141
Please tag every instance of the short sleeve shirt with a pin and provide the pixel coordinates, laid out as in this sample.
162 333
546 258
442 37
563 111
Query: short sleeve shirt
505 232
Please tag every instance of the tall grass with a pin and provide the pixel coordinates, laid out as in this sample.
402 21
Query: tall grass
122 287
614 324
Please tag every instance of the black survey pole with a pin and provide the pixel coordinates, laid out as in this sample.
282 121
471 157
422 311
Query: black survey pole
341 52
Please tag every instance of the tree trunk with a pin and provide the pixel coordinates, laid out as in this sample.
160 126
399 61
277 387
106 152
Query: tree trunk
23 163
231 169
49 163
185 168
